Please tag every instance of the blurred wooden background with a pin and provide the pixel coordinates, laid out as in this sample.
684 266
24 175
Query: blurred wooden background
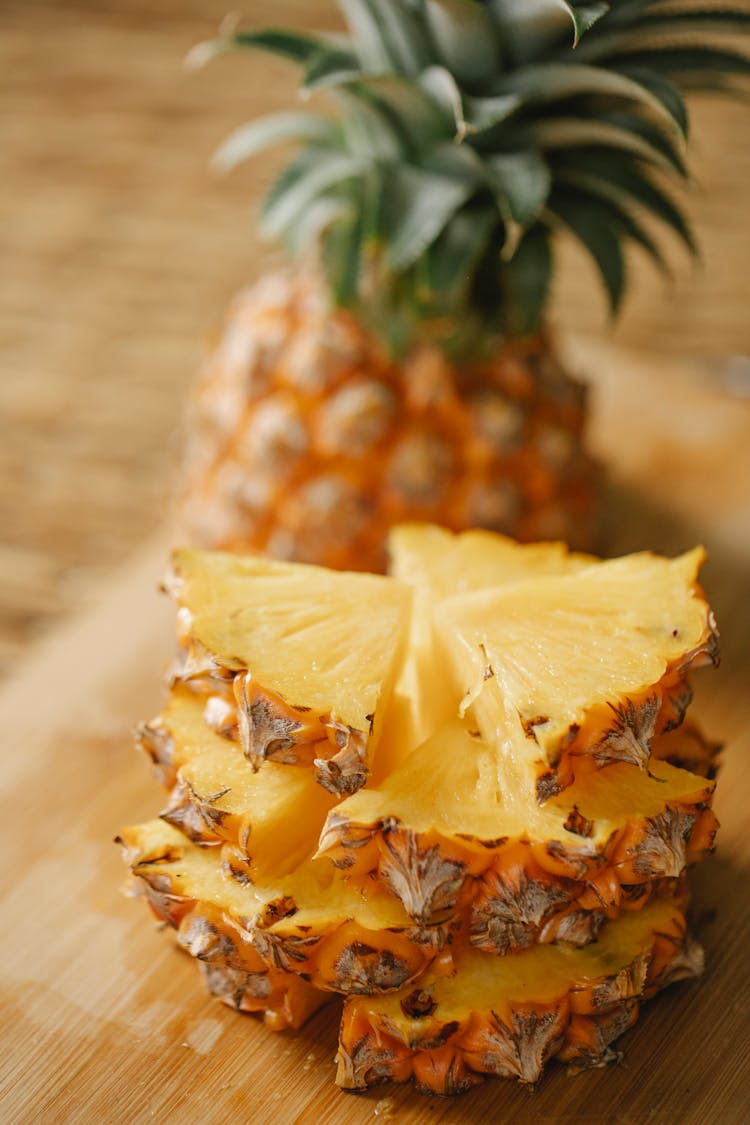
120 250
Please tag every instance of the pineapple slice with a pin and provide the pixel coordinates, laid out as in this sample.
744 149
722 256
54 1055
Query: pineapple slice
230 967
444 564
442 835
438 563
508 1016
308 924
298 661
218 797
593 662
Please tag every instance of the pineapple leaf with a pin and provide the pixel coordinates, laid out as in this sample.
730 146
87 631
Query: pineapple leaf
526 281
484 113
407 41
372 48
622 176
615 213
676 61
452 258
522 182
312 172
255 136
593 228
664 91
412 114
700 20
442 87
584 17
419 204
627 136
295 45
311 224
587 185
465 38
692 25
556 81
529 27
329 67
368 129
341 252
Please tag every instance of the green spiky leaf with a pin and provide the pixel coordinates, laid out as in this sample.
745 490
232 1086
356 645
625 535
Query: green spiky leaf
468 131
592 226
255 136
522 181
301 182
420 205
465 37
452 258
526 281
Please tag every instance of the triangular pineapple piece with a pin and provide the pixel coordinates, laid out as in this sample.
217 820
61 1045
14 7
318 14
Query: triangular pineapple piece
311 922
311 656
594 662
443 563
231 969
438 563
508 1016
217 796
441 834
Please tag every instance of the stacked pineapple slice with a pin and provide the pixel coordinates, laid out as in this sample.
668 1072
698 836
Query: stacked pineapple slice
463 797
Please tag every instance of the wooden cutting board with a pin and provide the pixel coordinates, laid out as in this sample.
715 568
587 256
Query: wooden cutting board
103 1020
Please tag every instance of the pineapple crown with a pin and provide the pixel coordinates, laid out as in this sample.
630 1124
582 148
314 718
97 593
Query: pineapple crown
467 133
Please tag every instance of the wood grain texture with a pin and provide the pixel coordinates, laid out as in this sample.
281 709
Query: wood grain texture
103 1020
120 251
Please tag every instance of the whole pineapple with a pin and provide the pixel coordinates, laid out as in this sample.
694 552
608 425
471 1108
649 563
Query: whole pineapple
405 372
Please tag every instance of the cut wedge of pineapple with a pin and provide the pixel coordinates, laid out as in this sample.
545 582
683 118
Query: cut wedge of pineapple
443 836
593 663
297 660
309 924
231 969
444 564
508 1016
218 797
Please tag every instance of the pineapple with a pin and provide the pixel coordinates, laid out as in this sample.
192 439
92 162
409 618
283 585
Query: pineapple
440 833
230 967
216 796
509 1015
406 369
246 632
472 927
307 924
608 673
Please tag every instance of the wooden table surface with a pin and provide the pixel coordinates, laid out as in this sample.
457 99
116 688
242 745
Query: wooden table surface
103 1020
119 251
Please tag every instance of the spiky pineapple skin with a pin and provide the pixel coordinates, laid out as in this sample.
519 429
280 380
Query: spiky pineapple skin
307 442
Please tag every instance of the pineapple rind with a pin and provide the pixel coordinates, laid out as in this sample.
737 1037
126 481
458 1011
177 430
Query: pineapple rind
217 795
591 662
252 621
439 836
302 925
508 1016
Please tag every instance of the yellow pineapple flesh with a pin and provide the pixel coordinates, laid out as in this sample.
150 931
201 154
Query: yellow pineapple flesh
504 880
217 796
231 969
443 564
508 1016
441 835
296 662
309 924
593 663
